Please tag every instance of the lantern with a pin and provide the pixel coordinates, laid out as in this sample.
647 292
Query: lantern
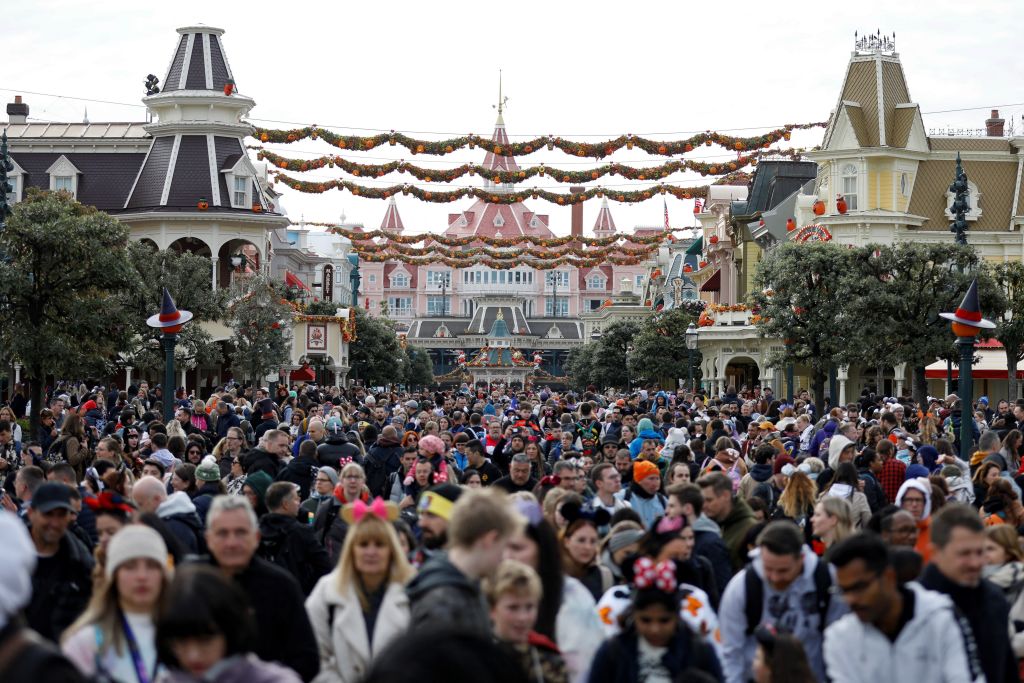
840 204
819 208
790 225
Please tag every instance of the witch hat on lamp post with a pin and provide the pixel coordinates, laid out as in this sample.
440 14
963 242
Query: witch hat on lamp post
170 320
967 320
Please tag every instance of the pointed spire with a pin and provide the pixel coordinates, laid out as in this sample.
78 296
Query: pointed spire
392 220
85 116
605 224
501 103
499 139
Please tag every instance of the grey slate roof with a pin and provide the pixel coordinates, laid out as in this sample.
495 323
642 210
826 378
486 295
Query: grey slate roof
106 177
195 79
191 179
773 181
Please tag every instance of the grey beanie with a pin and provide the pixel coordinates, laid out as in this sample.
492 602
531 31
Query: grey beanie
624 538
331 474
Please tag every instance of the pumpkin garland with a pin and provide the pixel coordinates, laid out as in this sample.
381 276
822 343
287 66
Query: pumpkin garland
434 175
357 236
595 150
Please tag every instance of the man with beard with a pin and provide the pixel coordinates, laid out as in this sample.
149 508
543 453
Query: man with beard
435 510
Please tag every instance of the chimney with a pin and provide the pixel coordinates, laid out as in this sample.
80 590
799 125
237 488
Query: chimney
993 125
17 111
577 215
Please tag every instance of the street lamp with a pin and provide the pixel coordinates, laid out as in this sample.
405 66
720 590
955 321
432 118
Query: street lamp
691 346
170 320
967 323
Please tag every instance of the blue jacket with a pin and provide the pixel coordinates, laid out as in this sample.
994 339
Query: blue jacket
638 443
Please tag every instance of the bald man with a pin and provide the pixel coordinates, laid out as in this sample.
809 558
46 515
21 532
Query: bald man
176 510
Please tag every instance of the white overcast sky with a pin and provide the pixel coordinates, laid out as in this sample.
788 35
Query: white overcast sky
576 69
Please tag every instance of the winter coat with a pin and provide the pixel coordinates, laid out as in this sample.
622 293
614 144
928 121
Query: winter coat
293 547
179 514
61 588
301 471
757 475
259 460
204 499
857 500
647 506
799 615
708 544
226 422
929 647
238 669
618 659
826 432
734 532
283 631
337 452
988 615
578 629
441 596
638 443
386 458
346 650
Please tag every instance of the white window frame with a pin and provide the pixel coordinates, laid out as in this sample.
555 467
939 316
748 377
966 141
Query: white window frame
400 280
61 170
246 184
436 277
973 203
845 176
439 305
241 169
563 308
16 177
498 220
596 282
640 281
396 309
372 278
561 276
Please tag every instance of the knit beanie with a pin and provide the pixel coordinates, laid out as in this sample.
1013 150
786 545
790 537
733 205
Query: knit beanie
259 482
331 474
135 541
643 469
644 425
208 469
617 542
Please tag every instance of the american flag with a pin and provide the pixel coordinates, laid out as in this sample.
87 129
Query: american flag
665 204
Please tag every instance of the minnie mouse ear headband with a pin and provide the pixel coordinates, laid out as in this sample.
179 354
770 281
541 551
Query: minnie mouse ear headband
109 501
385 511
650 576
573 511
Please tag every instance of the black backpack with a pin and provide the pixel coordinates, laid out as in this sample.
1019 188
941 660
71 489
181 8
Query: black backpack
755 596
376 475
276 551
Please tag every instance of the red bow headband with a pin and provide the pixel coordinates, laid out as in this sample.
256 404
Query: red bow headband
661 576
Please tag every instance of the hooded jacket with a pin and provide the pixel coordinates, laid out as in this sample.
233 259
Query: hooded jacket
826 432
648 506
179 513
336 451
758 474
387 453
988 615
259 460
793 609
645 430
441 596
856 651
835 448
924 536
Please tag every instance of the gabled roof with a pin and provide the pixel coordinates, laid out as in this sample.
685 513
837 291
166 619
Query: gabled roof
199 62
498 162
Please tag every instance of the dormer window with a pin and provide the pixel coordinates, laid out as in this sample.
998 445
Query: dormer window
239 176
498 220
64 176
14 178
534 223
595 282
399 280
848 182
239 192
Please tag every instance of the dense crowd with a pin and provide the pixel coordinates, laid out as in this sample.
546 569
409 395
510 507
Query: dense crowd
340 535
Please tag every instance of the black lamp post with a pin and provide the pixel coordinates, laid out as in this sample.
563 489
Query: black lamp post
960 206
691 346
170 320
6 166
967 323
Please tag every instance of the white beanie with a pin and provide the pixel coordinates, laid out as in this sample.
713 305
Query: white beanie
134 541
16 569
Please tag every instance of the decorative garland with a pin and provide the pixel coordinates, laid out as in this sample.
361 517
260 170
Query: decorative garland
596 150
430 175
500 264
357 236
542 254
629 197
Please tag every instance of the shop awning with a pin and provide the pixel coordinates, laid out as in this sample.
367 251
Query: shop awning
992 365
696 248
713 283
303 374
293 280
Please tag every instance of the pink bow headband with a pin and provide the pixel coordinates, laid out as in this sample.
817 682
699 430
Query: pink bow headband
385 511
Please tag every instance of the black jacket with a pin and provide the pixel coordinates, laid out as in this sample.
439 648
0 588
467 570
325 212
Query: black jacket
441 596
284 632
61 588
988 613
510 486
617 661
302 471
293 547
259 460
382 460
226 422
710 546
336 449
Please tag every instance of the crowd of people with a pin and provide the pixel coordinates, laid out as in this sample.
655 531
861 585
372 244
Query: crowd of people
339 535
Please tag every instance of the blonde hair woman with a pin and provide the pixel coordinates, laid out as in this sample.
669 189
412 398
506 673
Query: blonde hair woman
832 520
361 606
798 498
115 638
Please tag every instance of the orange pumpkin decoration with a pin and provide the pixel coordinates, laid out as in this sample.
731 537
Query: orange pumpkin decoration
497 149
579 152
202 204
738 145
595 175
341 144
707 143
713 239
961 330
292 137
688 148
841 204
607 302
687 268
703 264
256 207
819 208
662 149
528 149
787 135
790 225
264 137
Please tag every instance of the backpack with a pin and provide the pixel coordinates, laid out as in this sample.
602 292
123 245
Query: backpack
376 475
755 596
57 453
276 551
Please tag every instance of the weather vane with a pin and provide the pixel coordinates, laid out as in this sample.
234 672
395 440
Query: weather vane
502 101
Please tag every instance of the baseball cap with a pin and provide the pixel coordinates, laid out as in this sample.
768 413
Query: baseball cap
52 496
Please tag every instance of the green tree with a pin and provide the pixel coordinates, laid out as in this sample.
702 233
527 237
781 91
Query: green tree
260 319
187 277
61 278
321 307
609 365
897 297
375 353
801 292
1008 314
419 371
580 365
660 355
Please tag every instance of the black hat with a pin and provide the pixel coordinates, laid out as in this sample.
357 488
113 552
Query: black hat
52 496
